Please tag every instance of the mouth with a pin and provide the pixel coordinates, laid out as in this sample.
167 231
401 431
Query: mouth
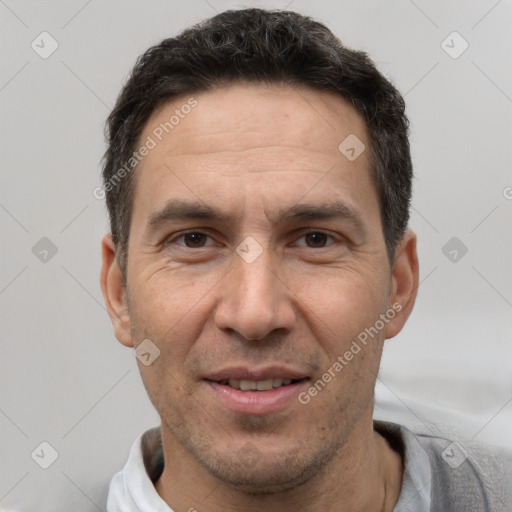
256 392
257 385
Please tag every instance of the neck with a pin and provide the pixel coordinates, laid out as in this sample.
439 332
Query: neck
365 475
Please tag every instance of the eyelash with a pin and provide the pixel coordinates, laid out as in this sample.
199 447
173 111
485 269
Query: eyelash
176 237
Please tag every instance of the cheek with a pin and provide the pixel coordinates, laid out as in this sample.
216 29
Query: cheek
171 311
340 305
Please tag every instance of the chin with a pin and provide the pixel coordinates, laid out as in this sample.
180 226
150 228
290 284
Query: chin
267 478
256 473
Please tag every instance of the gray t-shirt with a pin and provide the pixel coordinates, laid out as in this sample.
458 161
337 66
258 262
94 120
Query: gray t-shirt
439 475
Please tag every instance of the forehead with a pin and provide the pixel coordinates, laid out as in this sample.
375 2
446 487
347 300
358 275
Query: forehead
273 138
241 116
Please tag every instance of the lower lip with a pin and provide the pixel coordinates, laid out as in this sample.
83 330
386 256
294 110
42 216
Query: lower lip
257 402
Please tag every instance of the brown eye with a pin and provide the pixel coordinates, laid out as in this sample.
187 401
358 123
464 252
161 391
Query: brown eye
194 240
316 239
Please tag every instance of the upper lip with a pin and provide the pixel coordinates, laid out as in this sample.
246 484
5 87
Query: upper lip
264 373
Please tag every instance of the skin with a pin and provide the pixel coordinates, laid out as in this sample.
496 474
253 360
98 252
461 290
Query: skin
254 152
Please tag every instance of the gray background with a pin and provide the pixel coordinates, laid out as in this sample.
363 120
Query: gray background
65 379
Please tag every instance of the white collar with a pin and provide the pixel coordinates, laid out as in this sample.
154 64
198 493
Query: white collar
131 489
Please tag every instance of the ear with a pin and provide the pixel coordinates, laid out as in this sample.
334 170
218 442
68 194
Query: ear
404 283
114 292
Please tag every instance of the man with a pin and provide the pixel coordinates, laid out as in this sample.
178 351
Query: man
258 179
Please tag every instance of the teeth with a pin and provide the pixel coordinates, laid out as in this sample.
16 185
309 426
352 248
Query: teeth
264 385
247 385
260 385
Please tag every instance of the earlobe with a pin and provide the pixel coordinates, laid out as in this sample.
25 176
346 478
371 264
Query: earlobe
114 292
404 283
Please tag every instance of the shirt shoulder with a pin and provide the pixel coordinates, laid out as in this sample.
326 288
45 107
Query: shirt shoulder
468 476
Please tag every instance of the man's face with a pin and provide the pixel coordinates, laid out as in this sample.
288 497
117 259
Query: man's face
255 253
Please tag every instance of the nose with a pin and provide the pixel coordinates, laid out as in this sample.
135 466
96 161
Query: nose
255 300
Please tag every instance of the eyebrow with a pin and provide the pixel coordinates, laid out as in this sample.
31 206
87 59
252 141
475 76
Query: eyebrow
177 210
333 210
